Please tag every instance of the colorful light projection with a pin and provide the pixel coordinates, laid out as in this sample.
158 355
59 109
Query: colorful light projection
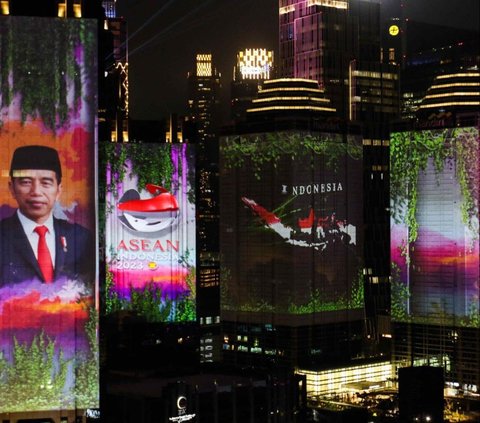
48 331
291 226
434 226
150 231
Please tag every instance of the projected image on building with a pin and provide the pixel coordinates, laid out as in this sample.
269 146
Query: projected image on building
434 226
48 314
150 231
291 225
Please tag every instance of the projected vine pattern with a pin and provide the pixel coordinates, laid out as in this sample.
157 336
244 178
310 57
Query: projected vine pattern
291 231
150 231
48 332
434 226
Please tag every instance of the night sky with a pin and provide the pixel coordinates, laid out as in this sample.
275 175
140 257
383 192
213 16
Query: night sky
165 35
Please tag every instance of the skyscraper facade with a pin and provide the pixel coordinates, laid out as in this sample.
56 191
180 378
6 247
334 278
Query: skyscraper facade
291 237
253 66
317 41
114 107
203 117
204 97
434 250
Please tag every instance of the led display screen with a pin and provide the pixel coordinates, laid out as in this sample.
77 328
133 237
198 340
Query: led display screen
434 226
48 312
150 231
291 227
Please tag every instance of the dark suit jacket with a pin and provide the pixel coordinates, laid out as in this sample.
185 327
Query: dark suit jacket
74 257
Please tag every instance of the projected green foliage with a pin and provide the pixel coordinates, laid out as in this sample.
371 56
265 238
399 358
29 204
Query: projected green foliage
147 164
34 379
41 83
410 153
86 370
268 149
298 156
400 296
318 301
157 165
150 303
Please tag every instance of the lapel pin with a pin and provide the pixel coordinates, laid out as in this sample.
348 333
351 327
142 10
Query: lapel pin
63 241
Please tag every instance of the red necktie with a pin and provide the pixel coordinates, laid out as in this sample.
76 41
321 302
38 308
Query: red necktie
44 258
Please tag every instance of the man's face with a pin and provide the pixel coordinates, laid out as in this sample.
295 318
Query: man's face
36 191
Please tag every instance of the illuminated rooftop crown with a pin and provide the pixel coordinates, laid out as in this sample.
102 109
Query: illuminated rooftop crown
255 63
453 92
291 95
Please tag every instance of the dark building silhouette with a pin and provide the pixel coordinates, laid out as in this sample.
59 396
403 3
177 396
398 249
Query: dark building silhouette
420 391
204 97
253 66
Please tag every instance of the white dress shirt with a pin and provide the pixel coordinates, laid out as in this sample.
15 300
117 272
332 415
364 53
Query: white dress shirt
29 226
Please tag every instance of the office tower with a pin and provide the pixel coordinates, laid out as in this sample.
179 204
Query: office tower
291 233
113 116
49 346
420 392
318 41
434 244
203 121
338 44
204 97
208 251
253 66
457 56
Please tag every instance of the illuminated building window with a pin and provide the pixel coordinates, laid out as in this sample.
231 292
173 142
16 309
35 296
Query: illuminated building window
287 9
5 7
62 10
204 65
255 63
76 7
338 380
337 4
77 10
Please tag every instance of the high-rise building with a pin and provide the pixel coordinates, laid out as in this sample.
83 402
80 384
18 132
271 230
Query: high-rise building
49 364
253 66
203 118
441 63
434 195
115 110
291 233
204 97
435 244
318 41
338 44
208 251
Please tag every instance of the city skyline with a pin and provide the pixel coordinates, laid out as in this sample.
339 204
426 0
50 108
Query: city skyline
164 38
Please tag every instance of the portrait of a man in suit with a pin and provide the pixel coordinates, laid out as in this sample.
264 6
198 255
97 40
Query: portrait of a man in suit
35 245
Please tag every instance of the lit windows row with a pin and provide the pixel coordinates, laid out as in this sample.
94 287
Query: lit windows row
261 100
61 10
209 320
306 108
337 380
378 75
459 75
379 168
454 94
310 90
337 4
449 104
456 84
